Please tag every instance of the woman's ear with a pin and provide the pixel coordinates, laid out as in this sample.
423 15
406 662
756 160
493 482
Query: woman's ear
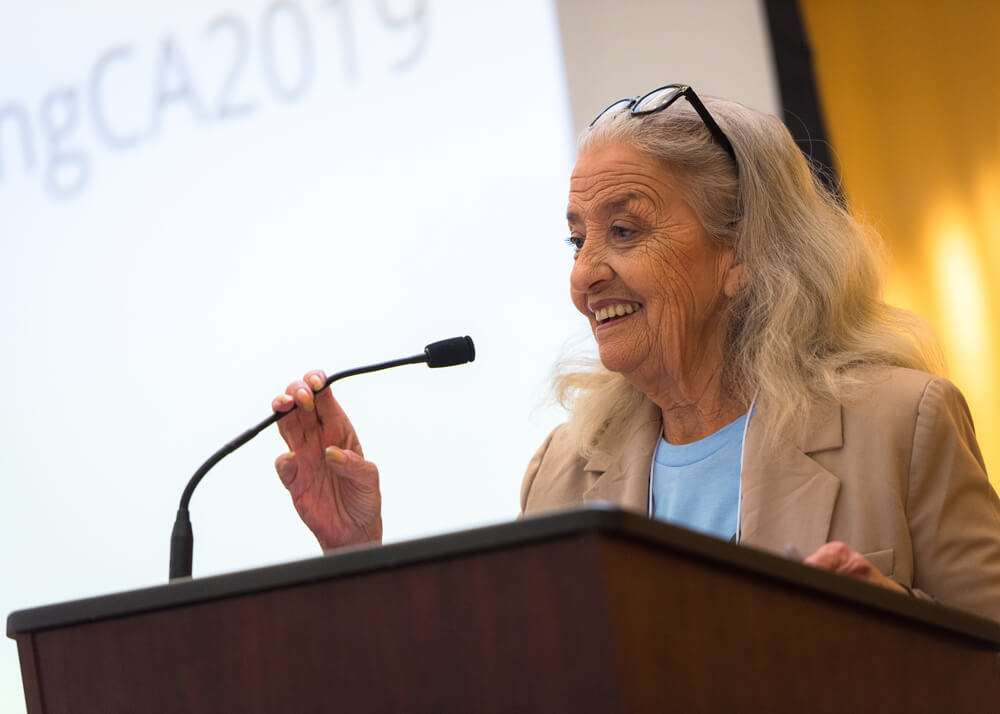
736 275
736 278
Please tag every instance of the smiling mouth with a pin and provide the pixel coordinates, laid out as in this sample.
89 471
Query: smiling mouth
615 312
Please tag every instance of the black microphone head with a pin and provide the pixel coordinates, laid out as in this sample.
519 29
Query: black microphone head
447 353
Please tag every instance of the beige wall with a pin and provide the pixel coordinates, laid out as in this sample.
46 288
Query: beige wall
619 48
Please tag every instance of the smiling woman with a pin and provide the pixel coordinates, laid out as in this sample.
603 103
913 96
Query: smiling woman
793 281
752 383
757 387
640 245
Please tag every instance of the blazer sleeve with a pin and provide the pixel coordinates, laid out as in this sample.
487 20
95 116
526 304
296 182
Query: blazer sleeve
532 471
952 510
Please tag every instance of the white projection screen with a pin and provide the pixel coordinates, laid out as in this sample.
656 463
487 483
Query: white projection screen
199 201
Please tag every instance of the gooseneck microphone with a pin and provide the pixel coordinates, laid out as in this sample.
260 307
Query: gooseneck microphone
445 353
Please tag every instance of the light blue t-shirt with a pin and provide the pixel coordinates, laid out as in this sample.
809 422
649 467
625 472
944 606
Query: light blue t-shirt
697 485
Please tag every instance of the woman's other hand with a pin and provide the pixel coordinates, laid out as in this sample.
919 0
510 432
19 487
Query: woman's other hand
842 559
333 488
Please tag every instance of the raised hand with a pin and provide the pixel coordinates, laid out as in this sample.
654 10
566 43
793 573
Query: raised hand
335 491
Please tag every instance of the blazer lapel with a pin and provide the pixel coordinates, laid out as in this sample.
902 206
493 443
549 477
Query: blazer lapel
622 468
788 498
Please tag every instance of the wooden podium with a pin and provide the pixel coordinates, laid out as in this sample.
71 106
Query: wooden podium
591 610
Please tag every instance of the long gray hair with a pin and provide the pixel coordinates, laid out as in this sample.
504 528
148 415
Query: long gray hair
811 307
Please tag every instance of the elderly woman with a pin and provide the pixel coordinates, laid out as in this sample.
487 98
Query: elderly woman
751 384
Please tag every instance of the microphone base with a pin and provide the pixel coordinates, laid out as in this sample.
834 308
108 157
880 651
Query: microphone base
181 546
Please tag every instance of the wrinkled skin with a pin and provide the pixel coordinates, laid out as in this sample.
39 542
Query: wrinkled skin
334 489
639 242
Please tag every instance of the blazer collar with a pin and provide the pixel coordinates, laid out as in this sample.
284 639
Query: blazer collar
622 468
788 498
823 429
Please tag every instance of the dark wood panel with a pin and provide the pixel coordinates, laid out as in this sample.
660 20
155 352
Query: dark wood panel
537 529
588 611
492 633
700 637
29 673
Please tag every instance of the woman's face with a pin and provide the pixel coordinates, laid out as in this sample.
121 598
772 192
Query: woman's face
649 278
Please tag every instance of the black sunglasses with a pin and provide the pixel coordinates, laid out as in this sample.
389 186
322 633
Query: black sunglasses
661 98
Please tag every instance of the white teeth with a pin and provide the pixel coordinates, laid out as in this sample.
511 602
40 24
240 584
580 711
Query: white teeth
617 310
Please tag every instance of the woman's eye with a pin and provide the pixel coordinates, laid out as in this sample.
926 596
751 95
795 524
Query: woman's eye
623 233
575 242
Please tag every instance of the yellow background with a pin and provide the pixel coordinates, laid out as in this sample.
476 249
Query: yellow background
911 96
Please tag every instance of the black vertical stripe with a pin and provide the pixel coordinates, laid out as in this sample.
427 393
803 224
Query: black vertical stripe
801 111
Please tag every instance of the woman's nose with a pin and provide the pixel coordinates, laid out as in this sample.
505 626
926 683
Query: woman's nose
589 269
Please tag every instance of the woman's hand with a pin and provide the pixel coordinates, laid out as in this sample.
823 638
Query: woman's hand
841 558
333 488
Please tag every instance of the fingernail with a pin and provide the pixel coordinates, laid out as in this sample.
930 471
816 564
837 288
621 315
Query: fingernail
315 382
335 455
284 399
307 401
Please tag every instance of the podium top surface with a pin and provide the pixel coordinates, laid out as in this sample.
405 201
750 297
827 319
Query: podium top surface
594 519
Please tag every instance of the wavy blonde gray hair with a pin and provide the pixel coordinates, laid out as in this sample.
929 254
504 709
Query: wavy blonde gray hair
811 307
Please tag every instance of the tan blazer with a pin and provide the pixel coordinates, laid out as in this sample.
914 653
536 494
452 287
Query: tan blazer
898 476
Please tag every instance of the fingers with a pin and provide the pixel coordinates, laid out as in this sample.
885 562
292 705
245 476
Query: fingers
287 468
316 421
302 393
356 486
334 456
308 421
842 559
348 464
290 426
282 403
837 557
336 427
295 428
315 378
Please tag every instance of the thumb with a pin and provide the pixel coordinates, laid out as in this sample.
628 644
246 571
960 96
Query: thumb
349 465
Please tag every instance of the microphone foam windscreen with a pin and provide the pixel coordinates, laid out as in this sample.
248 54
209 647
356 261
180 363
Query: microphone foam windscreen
447 353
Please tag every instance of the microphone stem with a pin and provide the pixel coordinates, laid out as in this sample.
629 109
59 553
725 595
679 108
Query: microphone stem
276 416
182 539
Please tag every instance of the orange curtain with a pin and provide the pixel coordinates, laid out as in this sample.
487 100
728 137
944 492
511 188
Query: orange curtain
910 91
